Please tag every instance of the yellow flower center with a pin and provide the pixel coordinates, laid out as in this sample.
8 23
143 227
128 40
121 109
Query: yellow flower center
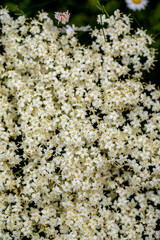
137 1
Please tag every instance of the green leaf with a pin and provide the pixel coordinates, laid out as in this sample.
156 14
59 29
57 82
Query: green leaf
102 8
15 9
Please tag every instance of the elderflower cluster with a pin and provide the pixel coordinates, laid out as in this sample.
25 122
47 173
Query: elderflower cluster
79 135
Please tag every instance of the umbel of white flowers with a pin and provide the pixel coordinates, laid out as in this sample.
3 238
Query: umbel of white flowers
79 147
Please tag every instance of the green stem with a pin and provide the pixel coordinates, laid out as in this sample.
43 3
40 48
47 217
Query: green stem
103 29
18 171
156 35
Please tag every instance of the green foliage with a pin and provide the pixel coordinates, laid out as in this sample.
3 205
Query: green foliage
18 8
155 19
111 6
15 9
102 8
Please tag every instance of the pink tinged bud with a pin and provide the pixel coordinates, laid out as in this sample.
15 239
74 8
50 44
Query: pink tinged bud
62 17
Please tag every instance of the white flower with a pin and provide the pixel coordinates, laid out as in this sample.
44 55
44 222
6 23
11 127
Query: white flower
101 19
84 28
70 30
136 4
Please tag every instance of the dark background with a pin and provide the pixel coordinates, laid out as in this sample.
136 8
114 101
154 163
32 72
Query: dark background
84 12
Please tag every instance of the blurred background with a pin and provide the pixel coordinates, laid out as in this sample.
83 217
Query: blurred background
84 12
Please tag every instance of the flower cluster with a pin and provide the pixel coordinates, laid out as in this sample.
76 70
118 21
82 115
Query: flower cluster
79 134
